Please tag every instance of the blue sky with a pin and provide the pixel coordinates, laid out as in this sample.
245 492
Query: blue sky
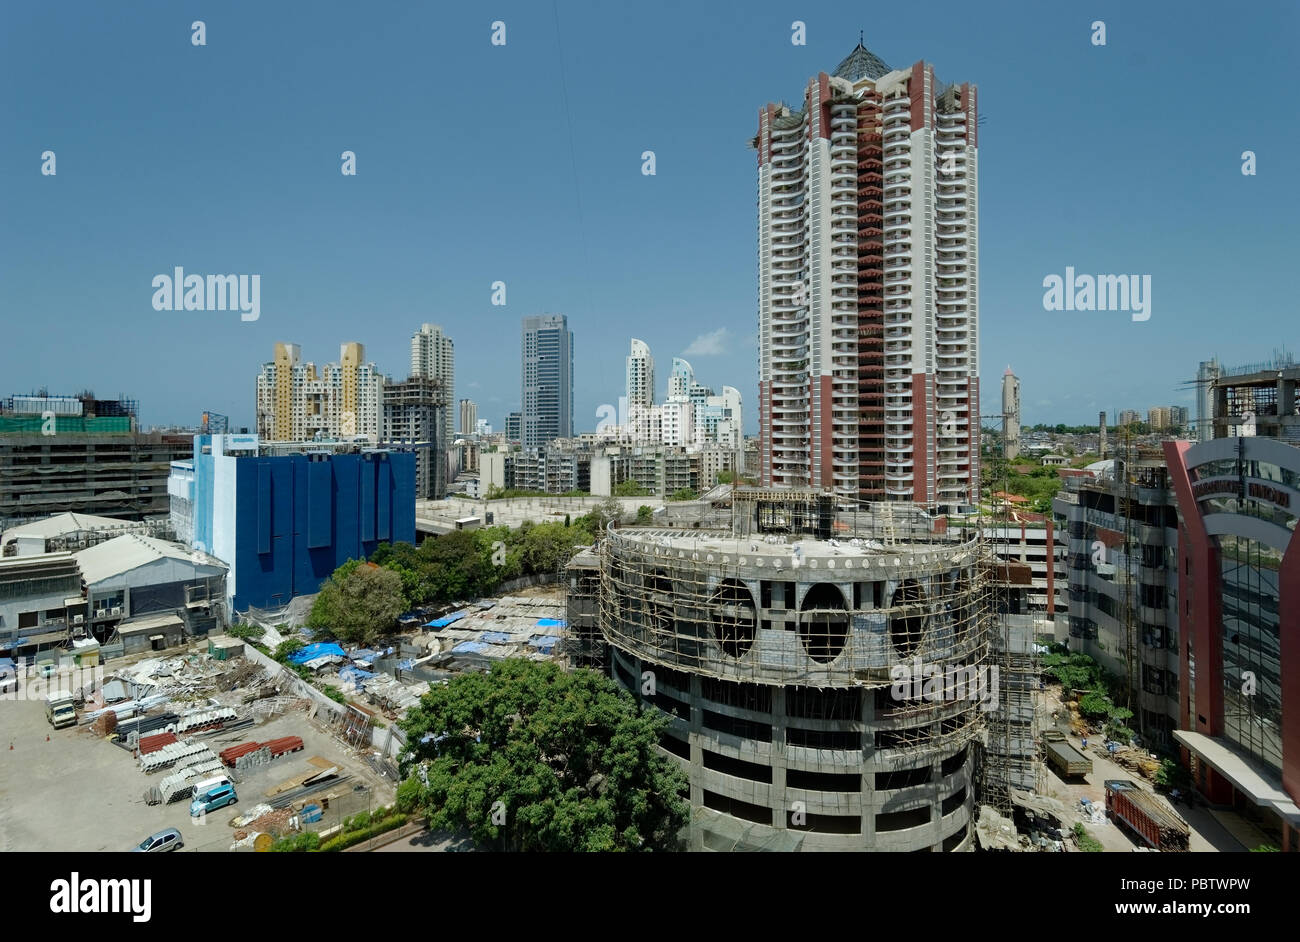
522 163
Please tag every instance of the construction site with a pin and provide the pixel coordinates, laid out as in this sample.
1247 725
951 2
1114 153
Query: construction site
852 678
827 672
150 729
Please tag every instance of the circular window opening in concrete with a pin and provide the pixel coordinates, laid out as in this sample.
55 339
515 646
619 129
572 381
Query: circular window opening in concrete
731 610
824 623
907 617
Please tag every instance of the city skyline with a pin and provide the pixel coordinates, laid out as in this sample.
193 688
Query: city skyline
602 241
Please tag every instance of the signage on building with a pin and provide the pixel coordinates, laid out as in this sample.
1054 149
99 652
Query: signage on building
1254 489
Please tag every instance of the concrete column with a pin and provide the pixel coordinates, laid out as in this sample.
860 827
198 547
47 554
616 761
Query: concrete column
781 806
868 774
696 770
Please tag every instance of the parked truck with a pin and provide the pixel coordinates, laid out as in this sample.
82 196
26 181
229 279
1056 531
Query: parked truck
1156 825
1067 760
60 709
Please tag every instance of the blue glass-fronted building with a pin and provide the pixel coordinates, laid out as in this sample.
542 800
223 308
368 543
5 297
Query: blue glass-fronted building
285 522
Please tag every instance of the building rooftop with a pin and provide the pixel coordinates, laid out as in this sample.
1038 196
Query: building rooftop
132 551
861 63
61 524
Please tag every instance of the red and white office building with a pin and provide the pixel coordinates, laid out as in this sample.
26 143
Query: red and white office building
1239 565
868 291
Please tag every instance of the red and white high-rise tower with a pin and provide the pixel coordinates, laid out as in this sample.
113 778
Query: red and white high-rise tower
868 296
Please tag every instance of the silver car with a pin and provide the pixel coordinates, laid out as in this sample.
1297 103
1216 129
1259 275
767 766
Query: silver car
164 840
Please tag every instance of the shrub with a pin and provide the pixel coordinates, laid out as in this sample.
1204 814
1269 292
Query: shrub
285 648
299 843
349 838
1172 775
1086 841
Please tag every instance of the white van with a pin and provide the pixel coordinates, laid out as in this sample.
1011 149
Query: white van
205 786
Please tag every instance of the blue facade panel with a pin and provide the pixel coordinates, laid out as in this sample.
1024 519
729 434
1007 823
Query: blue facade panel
203 505
384 503
263 507
320 504
368 474
298 520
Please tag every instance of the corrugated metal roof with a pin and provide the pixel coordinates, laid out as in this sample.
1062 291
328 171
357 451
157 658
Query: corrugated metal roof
131 551
60 524
150 624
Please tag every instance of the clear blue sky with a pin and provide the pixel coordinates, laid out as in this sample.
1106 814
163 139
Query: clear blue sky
522 163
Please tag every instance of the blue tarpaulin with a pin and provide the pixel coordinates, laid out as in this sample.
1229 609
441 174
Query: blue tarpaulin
313 651
355 675
470 647
365 654
446 620
544 643
495 637
550 623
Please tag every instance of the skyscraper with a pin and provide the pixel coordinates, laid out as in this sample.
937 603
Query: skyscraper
640 375
468 416
433 356
546 379
1011 410
868 295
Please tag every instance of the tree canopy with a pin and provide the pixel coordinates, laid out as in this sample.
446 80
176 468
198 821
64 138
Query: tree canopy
532 758
359 603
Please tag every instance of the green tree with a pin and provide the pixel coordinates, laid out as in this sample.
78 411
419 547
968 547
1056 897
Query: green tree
565 759
458 565
547 546
604 513
684 493
359 603
1095 704
630 488
644 513
403 559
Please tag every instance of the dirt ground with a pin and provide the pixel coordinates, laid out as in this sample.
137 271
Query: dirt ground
1207 832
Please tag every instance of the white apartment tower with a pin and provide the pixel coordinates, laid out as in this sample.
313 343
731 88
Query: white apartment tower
868 288
640 375
433 356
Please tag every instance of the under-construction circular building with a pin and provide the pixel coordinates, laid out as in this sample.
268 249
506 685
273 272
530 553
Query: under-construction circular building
822 693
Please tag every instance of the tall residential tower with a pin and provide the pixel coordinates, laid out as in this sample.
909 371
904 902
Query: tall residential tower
868 291
640 375
433 356
296 402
